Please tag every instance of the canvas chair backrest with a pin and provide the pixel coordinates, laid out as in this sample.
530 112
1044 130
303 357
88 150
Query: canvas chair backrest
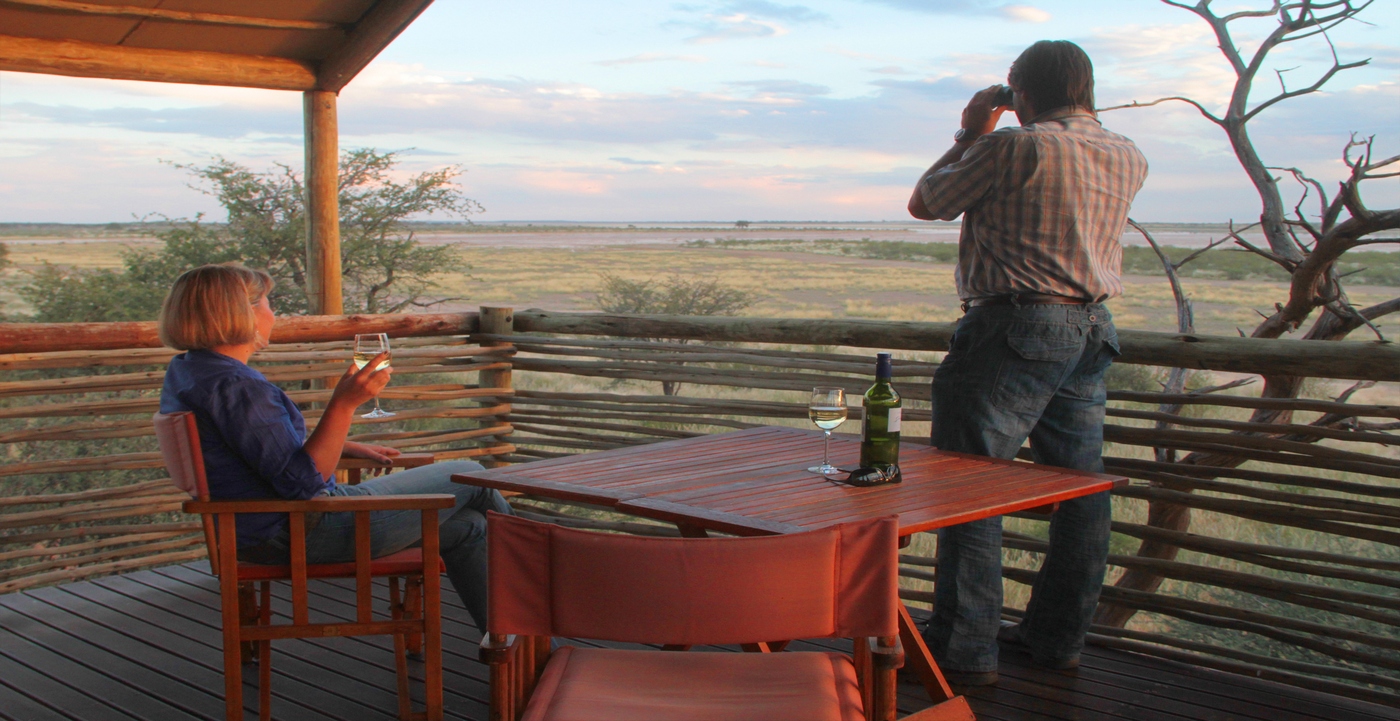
178 437
546 580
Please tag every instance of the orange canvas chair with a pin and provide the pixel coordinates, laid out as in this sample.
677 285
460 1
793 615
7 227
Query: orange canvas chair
247 617
550 581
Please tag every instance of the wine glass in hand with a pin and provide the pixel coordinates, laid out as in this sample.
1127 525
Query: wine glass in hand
367 346
827 410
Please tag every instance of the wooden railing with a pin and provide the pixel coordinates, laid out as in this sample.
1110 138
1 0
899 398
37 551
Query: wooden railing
1289 570
90 495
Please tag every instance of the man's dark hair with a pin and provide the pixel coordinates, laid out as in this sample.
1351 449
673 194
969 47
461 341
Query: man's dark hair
1054 74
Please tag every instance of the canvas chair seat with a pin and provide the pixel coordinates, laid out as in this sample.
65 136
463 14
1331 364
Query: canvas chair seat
835 582
404 563
613 685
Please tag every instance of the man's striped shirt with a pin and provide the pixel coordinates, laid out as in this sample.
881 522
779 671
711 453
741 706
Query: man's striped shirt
1044 205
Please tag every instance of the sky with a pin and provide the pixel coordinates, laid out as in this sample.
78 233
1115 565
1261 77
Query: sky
622 110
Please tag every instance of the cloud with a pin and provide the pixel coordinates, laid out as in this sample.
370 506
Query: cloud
1382 56
848 53
888 70
549 149
716 28
1024 14
1013 12
227 122
655 58
1155 61
782 87
744 19
795 14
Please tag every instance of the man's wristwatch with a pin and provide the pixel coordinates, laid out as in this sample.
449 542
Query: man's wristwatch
964 136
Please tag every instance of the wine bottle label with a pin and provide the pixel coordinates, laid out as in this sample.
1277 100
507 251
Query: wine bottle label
896 415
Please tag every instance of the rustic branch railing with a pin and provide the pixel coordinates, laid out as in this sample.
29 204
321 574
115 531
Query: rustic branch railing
1317 487
78 420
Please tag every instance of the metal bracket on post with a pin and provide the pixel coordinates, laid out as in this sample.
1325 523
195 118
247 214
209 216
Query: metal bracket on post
496 320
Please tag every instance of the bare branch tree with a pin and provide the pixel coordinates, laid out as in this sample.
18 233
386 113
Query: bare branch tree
1343 222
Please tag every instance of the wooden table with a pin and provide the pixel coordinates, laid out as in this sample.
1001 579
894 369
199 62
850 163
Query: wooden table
755 482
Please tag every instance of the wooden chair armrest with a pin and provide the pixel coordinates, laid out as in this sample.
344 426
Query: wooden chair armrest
886 656
494 652
327 504
403 460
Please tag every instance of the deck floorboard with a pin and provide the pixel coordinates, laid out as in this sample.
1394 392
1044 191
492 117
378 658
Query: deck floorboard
146 645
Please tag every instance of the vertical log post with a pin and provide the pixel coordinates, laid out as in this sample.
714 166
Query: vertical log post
322 204
496 320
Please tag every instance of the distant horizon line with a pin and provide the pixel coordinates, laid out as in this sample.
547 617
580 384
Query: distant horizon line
614 223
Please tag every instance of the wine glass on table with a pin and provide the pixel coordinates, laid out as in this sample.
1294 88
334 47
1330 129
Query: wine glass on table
827 410
367 346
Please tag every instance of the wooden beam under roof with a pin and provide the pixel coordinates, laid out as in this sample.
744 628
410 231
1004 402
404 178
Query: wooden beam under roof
143 13
369 37
96 60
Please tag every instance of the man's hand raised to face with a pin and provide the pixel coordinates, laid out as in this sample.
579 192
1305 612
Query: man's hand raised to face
978 118
981 115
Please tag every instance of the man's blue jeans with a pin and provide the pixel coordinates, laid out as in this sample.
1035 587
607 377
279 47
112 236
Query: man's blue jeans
1012 373
461 529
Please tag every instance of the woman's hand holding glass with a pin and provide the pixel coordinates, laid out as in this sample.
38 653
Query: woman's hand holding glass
360 385
372 351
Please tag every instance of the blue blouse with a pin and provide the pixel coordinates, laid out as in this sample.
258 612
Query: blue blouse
251 434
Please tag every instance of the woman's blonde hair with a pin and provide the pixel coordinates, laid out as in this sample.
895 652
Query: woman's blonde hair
211 306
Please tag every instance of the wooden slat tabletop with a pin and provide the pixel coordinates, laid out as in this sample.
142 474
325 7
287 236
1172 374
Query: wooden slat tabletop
754 482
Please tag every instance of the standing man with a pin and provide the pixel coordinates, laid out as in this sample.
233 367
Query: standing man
1043 207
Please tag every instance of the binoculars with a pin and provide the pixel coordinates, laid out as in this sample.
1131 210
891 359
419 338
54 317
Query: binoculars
1003 96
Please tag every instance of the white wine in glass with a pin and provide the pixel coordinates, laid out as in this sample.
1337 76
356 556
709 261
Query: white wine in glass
827 410
367 346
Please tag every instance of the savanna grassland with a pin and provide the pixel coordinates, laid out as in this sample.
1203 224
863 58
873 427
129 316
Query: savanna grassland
792 272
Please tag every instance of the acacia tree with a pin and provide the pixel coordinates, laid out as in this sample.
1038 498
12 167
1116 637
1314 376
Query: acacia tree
675 295
1305 240
385 269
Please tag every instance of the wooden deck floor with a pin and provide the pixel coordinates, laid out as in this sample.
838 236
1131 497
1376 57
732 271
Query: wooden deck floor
147 646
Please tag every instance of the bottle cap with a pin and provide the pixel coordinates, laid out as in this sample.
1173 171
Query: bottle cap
884 367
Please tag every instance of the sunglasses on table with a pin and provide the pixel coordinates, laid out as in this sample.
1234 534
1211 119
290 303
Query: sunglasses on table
865 476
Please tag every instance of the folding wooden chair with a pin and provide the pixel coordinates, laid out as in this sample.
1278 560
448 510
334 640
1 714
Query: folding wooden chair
247 616
550 581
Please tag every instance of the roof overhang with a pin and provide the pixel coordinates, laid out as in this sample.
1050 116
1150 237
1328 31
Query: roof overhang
276 44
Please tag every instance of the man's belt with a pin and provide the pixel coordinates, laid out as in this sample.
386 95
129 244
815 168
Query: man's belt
1020 299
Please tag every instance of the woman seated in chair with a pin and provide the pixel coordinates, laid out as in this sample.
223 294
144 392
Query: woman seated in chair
255 443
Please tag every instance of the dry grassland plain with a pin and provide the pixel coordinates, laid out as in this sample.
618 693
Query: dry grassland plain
560 271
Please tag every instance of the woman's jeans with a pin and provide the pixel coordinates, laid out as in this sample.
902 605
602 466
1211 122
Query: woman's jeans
1012 373
461 528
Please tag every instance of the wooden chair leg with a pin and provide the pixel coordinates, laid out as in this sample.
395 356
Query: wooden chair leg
400 651
860 659
233 649
265 654
247 615
884 689
919 660
503 700
413 609
233 677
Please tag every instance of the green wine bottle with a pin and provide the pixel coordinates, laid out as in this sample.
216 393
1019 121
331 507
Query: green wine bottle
879 436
